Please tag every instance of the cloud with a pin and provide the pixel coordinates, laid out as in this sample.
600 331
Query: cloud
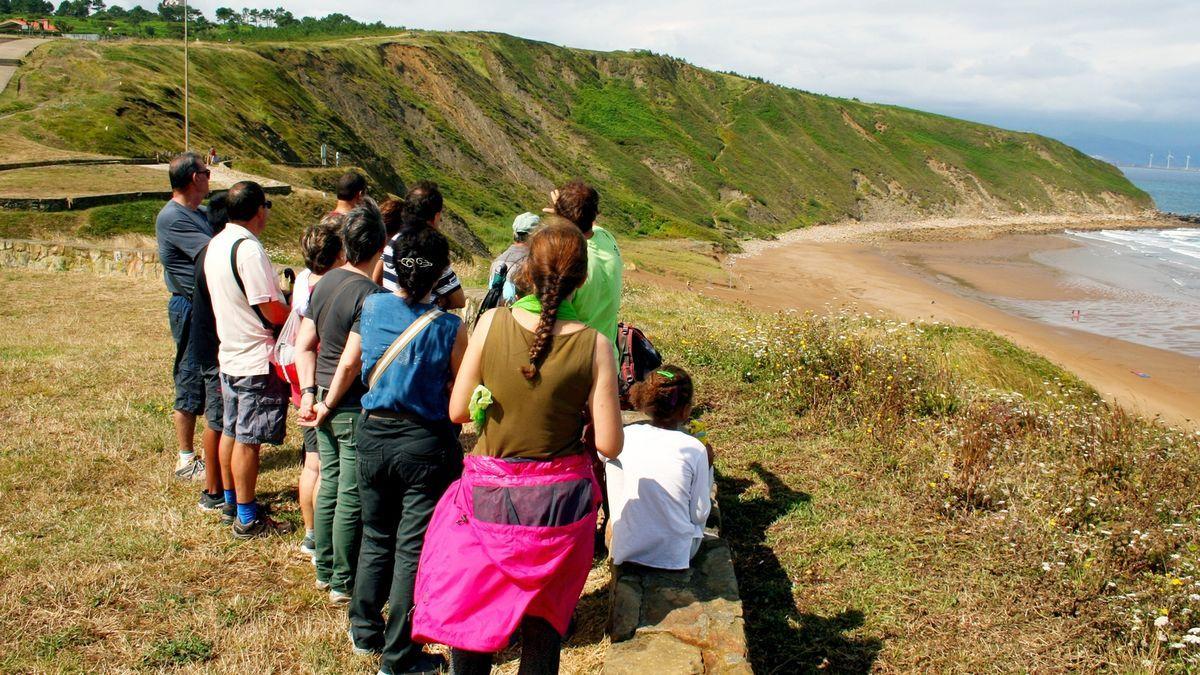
1108 59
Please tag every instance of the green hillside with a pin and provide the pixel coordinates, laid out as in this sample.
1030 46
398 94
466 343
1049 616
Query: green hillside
676 150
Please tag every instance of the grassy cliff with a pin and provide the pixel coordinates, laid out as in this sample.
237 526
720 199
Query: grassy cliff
677 151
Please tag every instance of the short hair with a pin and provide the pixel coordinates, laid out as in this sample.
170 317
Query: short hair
363 235
183 168
350 184
663 394
421 204
392 211
421 255
245 199
218 210
579 203
321 245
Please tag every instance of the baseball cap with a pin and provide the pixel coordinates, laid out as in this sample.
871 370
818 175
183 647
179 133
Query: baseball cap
525 223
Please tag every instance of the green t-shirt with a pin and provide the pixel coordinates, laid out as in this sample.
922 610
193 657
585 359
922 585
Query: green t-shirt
599 299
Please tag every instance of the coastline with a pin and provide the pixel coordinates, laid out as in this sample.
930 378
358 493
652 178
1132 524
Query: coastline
916 271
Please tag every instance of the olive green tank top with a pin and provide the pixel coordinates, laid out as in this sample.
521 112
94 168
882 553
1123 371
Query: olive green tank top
540 418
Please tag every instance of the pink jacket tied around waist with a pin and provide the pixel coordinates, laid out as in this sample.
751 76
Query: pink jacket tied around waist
511 538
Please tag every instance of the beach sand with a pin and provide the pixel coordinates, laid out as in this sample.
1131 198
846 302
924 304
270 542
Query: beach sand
878 267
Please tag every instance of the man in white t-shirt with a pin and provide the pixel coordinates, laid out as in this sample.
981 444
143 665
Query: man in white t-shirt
247 304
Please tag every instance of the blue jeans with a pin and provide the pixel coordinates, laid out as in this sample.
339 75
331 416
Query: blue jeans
189 380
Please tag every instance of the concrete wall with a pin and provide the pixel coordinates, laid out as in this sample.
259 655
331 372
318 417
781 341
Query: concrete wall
67 257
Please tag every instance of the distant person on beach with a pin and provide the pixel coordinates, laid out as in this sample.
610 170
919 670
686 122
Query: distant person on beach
247 304
512 257
598 301
332 396
321 245
212 157
351 188
659 488
423 209
205 346
528 494
182 230
1075 315
408 450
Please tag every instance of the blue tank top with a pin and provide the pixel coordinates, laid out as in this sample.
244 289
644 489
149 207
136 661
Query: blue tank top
416 382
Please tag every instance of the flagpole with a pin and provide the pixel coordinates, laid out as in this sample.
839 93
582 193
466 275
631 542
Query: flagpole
186 131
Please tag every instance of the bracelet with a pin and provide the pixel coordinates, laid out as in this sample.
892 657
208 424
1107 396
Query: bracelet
309 390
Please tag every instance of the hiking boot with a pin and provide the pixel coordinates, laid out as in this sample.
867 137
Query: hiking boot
228 513
262 526
359 651
193 470
209 503
308 547
338 598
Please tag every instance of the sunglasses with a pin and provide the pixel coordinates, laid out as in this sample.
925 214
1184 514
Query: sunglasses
204 172
267 203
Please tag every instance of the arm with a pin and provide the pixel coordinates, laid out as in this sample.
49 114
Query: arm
348 369
470 371
306 364
275 311
605 408
701 500
454 300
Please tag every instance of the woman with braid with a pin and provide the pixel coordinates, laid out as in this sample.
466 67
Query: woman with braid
659 488
511 542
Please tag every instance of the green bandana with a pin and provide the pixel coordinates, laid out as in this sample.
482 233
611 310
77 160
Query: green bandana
530 303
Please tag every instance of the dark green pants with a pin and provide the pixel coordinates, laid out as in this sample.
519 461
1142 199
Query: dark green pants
337 520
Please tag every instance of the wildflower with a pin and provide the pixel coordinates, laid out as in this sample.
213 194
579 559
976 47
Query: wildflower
1192 639
1161 621
1045 567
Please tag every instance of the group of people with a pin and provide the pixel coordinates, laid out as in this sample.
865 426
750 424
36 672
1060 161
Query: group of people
468 551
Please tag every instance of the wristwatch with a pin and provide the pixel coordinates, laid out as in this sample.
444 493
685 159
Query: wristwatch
309 390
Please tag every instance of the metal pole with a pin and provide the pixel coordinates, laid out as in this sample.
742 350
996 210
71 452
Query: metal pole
187 143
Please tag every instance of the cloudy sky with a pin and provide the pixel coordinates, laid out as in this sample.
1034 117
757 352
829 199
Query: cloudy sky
1121 69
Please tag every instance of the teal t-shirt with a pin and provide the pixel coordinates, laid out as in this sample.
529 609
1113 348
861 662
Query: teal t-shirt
598 301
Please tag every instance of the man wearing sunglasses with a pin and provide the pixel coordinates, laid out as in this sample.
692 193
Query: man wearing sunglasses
182 231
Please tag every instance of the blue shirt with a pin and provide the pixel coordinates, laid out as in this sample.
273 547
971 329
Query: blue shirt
417 380
181 233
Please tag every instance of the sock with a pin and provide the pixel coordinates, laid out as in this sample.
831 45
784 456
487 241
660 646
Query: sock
185 458
247 512
230 497
308 533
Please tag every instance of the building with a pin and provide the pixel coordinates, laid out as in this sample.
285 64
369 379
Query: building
21 26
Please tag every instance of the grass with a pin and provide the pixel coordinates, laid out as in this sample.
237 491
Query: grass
76 181
899 497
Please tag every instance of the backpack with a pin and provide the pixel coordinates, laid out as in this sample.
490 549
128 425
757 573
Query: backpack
638 358
494 295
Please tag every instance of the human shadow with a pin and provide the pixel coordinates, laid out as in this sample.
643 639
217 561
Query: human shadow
781 638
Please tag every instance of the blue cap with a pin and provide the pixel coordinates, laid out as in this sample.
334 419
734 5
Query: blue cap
525 223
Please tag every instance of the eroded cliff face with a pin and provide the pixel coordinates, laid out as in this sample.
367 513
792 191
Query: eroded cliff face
675 150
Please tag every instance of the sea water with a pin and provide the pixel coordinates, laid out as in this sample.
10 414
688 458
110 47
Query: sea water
1142 286
1172 191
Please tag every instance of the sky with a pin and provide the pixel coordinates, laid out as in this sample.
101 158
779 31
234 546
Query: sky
1075 69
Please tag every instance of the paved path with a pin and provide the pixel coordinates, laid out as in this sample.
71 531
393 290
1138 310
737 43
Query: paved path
11 53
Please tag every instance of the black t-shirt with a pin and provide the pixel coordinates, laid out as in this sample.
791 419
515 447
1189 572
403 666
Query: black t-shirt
335 306
205 343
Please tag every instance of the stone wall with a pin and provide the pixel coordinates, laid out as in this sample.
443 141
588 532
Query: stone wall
687 621
98 259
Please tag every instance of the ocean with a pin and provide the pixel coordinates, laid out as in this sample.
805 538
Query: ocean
1172 191
1137 285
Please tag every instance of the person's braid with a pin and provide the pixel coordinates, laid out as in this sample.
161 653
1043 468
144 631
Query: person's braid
549 294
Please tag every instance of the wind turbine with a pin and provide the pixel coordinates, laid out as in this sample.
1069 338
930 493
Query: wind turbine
1187 163
1151 164
1169 158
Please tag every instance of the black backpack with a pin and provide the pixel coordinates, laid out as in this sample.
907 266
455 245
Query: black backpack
638 358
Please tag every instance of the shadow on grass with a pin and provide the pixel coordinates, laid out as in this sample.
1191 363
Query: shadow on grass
781 638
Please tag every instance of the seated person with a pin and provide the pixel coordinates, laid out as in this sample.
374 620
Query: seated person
659 487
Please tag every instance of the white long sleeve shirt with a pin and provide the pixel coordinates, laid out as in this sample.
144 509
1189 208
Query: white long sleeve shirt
658 490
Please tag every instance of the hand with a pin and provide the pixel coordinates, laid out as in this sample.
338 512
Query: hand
306 411
553 201
321 413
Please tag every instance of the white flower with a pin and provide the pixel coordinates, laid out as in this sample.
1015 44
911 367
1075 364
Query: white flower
1194 597
1176 645
1162 621
1045 567
1191 639
1194 631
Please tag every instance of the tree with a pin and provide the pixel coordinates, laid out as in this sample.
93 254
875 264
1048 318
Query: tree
227 16
284 18
116 12
138 14
97 6
171 12
5 7
64 9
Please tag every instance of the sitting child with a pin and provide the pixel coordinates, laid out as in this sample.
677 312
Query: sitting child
660 485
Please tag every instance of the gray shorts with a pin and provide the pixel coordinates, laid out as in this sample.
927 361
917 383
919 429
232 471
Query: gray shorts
255 408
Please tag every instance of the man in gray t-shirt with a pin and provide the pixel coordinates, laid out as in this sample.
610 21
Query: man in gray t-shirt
183 231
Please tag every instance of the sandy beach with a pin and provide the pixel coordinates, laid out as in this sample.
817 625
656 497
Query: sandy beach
930 270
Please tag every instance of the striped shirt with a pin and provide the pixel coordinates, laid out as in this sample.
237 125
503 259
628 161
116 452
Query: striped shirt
446 284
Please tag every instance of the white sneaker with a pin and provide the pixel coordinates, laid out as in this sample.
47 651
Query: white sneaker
192 470
322 585
338 599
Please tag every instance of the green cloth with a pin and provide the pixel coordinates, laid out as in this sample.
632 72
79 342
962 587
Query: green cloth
337 519
530 303
598 301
